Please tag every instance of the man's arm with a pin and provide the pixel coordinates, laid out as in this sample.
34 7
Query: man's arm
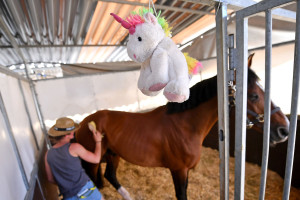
77 149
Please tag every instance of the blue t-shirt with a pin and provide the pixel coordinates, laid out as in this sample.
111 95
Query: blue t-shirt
67 170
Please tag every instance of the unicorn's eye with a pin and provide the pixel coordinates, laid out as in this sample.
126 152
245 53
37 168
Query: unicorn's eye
139 39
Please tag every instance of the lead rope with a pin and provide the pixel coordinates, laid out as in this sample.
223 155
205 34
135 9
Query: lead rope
231 94
231 102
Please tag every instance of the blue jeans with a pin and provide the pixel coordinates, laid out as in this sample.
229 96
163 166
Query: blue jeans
89 194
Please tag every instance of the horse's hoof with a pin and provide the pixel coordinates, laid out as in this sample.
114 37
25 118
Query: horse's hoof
124 193
157 87
174 97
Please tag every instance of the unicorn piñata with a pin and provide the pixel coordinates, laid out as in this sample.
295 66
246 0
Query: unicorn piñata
163 64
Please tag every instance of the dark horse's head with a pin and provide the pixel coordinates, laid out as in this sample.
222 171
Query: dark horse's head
255 108
207 89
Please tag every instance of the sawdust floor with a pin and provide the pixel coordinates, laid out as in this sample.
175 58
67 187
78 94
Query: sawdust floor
156 183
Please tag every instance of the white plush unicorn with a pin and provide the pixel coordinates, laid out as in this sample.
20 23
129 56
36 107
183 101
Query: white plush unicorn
163 64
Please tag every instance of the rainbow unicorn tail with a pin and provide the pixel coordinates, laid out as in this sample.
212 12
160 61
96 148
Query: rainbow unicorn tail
193 64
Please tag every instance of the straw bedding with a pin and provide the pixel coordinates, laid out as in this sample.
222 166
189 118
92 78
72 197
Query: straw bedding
156 183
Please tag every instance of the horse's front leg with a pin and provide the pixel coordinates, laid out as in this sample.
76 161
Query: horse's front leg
110 174
180 180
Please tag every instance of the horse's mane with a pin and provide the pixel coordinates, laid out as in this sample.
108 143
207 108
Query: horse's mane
199 93
203 91
252 77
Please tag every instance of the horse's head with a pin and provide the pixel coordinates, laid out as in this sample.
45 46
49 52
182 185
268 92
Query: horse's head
255 109
145 33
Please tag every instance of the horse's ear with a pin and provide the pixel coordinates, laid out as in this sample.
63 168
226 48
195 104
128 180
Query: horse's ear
150 18
250 60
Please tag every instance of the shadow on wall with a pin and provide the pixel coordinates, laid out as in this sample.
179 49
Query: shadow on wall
254 146
50 191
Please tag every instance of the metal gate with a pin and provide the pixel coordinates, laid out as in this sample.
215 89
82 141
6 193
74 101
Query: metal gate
224 77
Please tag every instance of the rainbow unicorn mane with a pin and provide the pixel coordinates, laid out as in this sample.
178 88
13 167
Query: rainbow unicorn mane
138 18
135 20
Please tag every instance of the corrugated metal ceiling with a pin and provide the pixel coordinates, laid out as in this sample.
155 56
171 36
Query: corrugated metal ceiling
57 34
82 31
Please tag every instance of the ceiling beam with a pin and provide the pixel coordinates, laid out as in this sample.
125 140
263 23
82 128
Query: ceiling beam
206 2
63 45
198 12
278 13
8 72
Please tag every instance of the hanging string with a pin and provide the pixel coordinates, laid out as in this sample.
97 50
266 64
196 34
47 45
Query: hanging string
151 2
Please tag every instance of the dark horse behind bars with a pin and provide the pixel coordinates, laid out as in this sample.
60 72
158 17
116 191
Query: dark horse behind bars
170 136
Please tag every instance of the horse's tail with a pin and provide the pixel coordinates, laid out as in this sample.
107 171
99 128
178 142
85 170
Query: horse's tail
193 64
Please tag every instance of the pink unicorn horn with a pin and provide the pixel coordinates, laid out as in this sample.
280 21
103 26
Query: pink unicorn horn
121 21
124 23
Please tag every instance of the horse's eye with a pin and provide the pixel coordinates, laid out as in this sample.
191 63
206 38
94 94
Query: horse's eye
253 97
139 39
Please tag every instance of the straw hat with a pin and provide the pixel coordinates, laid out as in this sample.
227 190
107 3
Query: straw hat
63 126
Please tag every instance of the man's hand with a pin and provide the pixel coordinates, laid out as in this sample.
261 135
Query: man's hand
97 136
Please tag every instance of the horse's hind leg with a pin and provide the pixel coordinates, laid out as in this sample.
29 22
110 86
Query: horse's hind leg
94 172
180 179
112 163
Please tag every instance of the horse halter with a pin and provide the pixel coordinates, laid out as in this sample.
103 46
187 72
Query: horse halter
258 118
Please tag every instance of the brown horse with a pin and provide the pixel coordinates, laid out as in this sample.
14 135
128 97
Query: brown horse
170 136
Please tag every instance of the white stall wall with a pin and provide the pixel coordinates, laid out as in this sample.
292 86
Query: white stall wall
33 114
12 185
77 97
80 96
11 178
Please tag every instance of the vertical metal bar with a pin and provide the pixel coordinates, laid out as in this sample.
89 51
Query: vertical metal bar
232 54
40 187
294 109
30 192
39 113
28 115
13 141
267 104
241 100
223 109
